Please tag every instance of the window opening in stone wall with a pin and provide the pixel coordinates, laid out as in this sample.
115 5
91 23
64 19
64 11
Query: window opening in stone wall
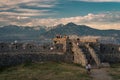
2 47
78 39
57 47
16 47
44 47
73 58
112 49
70 43
104 49
30 47
55 42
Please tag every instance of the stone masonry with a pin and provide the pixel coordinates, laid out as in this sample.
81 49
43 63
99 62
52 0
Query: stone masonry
63 49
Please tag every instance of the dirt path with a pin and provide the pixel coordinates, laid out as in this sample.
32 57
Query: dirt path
100 74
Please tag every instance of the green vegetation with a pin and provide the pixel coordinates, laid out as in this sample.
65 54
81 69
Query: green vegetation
115 71
44 71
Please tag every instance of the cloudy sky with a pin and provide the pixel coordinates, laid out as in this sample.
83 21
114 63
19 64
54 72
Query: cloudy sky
100 14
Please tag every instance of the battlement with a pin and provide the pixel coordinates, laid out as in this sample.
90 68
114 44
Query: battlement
60 39
62 49
89 40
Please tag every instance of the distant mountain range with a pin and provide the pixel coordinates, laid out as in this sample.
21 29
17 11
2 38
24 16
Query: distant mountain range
13 32
80 30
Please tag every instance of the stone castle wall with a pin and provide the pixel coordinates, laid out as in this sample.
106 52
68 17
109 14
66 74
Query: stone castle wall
64 50
107 52
79 56
29 47
110 53
17 53
14 59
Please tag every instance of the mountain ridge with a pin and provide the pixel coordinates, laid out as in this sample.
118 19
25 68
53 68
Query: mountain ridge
80 30
18 32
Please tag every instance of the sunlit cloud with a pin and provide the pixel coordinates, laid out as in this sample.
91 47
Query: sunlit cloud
98 21
14 8
50 13
16 2
12 17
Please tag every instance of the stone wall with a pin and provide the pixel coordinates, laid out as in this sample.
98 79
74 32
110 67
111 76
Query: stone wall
107 52
61 40
79 56
14 59
111 58
93 54
29 47
100 52
109 48
17 53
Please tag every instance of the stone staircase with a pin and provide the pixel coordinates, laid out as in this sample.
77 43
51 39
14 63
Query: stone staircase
94 55
87 54
84 53
79 56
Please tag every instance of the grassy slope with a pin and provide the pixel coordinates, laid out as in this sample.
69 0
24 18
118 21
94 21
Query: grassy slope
115 71
44 71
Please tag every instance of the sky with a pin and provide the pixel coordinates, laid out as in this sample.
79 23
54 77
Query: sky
99 14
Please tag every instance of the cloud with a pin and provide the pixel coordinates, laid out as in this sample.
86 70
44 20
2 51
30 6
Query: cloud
16 5
12 11
16 2
99 0
110 20
29 13
25 14
39 4
26 7
99 21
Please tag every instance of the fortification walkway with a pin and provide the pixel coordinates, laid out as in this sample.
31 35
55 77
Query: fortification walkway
100 74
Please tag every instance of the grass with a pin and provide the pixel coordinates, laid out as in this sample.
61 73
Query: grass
44 71
115 71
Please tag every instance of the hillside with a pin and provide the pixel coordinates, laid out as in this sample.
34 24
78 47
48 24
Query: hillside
80 30
12 32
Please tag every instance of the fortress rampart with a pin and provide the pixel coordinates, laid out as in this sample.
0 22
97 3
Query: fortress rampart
62 50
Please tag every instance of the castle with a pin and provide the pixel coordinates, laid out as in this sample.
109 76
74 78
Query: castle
63 49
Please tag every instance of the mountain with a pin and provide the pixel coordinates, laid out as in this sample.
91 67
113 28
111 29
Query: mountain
80 30
12 32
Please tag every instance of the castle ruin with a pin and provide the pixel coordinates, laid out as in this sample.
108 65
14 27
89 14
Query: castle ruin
63 49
